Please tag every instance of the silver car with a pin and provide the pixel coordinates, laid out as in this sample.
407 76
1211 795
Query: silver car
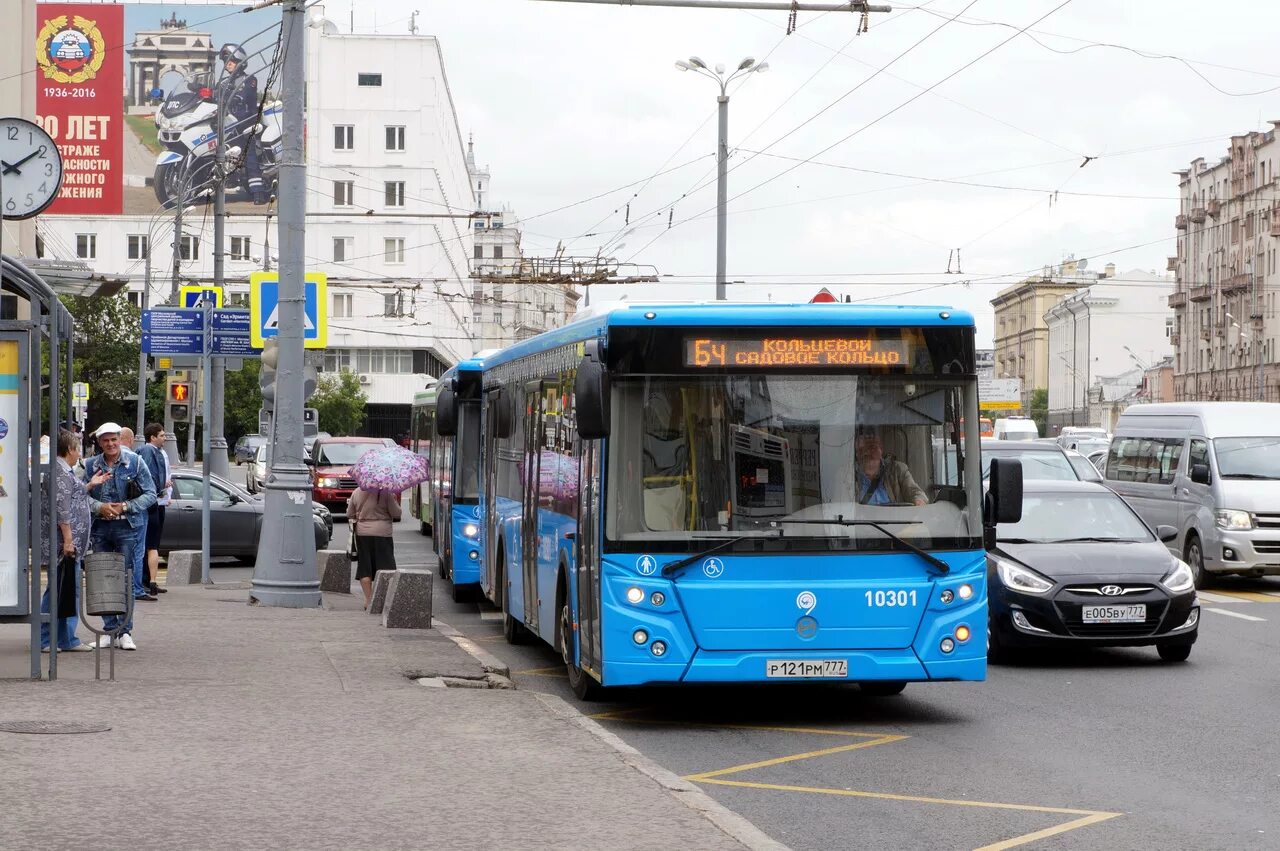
257 475
1212 471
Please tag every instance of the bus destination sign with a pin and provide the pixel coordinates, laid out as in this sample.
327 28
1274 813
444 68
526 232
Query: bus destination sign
796 351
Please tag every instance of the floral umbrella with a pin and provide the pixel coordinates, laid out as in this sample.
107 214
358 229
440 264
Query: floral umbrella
390 468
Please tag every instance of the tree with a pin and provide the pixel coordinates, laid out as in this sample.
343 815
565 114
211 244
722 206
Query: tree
108 337
340 403
1039 408
243 398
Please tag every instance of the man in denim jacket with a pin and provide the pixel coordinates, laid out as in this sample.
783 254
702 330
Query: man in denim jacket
118 521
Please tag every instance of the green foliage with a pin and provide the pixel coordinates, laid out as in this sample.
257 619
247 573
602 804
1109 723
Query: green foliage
1040 408
340 402
108 338
243 398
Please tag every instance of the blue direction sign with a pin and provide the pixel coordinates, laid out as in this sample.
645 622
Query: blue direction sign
175 343
233 320
264 308
234 345
172 319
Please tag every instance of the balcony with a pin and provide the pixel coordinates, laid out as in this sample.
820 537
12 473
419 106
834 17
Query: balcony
1178 299
1213 208
1197 215
1202 293
1204 334
1275 226
1175 339
1236 284
1180 222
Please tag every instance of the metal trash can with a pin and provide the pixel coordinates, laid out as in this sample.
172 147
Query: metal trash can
106 584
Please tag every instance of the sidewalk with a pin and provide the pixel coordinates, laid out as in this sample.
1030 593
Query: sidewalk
238 727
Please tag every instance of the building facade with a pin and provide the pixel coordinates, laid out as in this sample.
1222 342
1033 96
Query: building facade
1115 322
1224 301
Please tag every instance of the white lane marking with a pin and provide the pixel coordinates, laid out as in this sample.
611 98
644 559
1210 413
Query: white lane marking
491 616
1272 593
1231 614
1220 598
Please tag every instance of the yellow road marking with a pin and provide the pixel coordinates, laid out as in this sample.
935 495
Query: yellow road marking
554 671
707 776
1049 831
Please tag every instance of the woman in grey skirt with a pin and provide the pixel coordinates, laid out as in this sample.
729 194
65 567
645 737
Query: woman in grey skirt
373 513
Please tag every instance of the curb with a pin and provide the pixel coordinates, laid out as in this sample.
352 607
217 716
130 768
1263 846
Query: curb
490 663
736 826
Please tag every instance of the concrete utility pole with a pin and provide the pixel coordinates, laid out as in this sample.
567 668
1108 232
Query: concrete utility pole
285 573
217 442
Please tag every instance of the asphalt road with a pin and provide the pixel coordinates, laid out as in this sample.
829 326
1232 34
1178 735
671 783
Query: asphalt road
1105 749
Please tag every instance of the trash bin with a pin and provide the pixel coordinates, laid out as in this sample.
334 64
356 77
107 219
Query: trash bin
106 584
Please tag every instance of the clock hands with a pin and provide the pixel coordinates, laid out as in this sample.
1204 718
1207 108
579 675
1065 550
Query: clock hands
8 167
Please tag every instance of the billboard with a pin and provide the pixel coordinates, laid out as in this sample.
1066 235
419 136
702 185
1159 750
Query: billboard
129 92
80 103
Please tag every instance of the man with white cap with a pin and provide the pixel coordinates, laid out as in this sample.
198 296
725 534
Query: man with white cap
119 514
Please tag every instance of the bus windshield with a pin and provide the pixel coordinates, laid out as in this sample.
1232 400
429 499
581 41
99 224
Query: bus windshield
693 459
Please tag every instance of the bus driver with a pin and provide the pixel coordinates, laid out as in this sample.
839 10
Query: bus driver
880 480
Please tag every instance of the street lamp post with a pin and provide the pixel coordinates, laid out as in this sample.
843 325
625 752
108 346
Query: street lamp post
746 66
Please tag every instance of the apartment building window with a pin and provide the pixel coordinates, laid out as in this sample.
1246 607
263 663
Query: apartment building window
393 249
239 299
395 138
497 315
343 248
337 360
342 303
369 80
497 252
138 246
479 252
191 248
344 193
393 193
239 248
344 137
477 299
87 246
8 307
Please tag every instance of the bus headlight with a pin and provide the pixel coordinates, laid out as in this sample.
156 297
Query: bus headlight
634 595
657 598
962 633
471 530
640 636
947 645
658 648
965 591
473 555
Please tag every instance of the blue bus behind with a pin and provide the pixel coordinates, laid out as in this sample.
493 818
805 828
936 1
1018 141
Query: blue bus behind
458 532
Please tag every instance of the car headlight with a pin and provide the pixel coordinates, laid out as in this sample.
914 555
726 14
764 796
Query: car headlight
326 482
1180 578
1016 577
1236 521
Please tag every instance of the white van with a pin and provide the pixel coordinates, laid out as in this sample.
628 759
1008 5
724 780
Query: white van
1212 471
1071 436
1016 428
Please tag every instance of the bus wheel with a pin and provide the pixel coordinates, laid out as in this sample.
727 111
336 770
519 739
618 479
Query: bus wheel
462 593
512 629
882 688
582 683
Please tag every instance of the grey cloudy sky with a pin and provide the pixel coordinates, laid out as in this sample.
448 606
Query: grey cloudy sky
568 101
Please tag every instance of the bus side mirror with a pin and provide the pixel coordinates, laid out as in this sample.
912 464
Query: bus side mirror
447 412
1004 493
1200 474
591 396
502 416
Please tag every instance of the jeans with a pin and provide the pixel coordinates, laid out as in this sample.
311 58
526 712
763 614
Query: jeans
117 536
66 626
139 565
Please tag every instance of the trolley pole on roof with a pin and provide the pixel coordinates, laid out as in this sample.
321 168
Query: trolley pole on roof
285 573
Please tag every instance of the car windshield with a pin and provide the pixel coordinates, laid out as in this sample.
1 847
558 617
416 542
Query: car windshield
342 454
1060 517
697 459
1248 457
1051 464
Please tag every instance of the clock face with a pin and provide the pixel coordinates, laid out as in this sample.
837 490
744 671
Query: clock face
30 169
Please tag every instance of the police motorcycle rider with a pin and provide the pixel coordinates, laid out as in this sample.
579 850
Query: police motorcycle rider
237 92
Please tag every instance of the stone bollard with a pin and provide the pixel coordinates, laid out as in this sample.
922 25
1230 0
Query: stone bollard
335 571
408 604
380 580
183 567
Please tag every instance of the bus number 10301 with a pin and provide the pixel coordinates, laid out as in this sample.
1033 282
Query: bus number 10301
890 598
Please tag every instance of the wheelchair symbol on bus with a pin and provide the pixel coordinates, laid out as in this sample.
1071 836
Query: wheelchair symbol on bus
713 568
646 565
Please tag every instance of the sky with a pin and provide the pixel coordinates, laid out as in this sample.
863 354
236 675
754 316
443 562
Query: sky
841 149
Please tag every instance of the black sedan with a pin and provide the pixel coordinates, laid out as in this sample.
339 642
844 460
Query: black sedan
1082 568
235 518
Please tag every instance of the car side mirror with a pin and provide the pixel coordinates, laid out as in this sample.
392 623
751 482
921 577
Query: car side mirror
1200 474
1166 533
309 461
1004 492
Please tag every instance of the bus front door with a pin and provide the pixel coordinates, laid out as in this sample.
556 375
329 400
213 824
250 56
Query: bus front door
587 540
533 439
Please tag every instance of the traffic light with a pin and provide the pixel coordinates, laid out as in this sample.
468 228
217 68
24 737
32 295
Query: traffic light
178 401
267 375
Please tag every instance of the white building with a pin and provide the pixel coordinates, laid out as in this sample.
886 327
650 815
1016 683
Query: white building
1107 327
390 204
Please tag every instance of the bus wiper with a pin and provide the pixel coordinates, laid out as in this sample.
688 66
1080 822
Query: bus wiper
671 570
1094 540
938 564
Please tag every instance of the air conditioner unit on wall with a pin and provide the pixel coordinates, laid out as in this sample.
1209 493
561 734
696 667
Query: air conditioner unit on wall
364 379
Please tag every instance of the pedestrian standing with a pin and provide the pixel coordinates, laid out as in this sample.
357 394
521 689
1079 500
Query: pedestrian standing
157 462
373 513
139 567
74 520
120 506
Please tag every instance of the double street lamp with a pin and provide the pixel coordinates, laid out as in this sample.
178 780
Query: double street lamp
746 66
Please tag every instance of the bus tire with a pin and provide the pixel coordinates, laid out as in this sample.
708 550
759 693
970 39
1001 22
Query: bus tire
462 593
584 686
512 629
424 528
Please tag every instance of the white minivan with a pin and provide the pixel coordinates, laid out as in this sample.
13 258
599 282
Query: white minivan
1016 428
1209 469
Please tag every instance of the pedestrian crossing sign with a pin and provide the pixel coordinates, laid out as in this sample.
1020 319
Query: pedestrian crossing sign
264 309
192 295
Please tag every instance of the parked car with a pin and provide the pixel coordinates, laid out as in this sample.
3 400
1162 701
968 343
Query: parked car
257 475
1040 459
331 460
1084 467
1070 437
1212 471
235 522
247 447
1082 568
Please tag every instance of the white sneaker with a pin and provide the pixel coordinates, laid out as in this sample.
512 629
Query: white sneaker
104 642
126 642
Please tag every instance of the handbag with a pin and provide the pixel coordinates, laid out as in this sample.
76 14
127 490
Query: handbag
133 490
67 587
353 547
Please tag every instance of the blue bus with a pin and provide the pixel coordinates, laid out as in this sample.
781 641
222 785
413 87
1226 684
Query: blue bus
454 491
713 493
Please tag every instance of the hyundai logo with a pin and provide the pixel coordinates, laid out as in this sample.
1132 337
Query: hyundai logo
1112 590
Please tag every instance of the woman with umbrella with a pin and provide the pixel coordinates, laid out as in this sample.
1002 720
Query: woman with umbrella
382 474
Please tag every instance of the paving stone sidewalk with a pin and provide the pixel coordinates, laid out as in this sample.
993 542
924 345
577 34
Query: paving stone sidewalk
238 727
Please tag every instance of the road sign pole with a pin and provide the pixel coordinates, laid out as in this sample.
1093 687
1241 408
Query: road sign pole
207 402
285 572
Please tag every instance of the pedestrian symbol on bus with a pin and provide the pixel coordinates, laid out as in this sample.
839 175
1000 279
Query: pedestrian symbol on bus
646 565
713 568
